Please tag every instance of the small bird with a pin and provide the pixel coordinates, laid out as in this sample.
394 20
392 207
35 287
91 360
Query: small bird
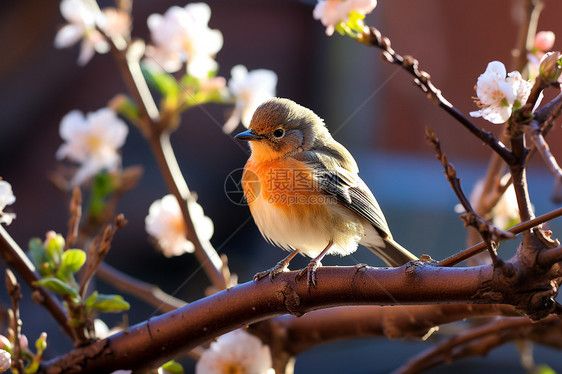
305 194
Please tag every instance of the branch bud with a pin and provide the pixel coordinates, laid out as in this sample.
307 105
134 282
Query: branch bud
549 68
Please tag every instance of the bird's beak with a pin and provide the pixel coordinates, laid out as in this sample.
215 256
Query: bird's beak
249 135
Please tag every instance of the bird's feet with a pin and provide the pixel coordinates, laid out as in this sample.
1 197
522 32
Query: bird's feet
277 269
310 272
273 272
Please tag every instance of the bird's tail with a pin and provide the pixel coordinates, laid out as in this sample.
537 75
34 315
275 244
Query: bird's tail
393 253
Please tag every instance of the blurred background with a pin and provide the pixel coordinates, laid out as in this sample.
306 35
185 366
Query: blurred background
371 107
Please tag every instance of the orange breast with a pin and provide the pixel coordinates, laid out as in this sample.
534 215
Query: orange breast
286 184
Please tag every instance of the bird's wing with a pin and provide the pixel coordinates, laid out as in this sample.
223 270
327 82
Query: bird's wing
347 188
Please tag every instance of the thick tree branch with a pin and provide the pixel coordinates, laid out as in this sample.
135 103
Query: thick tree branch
394 322
160 338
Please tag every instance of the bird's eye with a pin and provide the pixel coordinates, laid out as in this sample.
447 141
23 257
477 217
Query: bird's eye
278 133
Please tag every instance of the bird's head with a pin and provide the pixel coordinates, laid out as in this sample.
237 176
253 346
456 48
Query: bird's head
280 126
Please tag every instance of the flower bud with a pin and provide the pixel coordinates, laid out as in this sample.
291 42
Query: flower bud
41 343
549 68
5 361
544 40
54 246
5 343
24 343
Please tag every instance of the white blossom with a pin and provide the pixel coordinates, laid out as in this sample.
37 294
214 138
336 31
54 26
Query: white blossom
6 198
332 12
166 225
249 89
5 361
81 25
102 331
236 352
92 141
499 92
182 35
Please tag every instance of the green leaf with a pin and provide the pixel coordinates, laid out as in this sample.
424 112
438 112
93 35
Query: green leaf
102 187
163 82
90 300
544 369
172 367
57 286
108 303
37 252
73 259
126 107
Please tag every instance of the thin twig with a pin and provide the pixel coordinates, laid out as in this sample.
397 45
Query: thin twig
373 37
75 215
480 247
489 233
144 291
534 132
98 250
444 351
14 291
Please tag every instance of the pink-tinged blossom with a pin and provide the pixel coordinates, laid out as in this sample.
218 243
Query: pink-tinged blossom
182 35
544 41
333 12
5 361
236 352
250 89
117 23
81 26
6 198
498 93
92 141
166 225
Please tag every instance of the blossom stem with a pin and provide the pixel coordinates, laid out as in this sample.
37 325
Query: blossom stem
526 35
372 37
159 141
204 251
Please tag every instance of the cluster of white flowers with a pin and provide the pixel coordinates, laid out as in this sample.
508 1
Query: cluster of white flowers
236 352
333 12
499 93
166 225
250 90
6 198
182 35
92 141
